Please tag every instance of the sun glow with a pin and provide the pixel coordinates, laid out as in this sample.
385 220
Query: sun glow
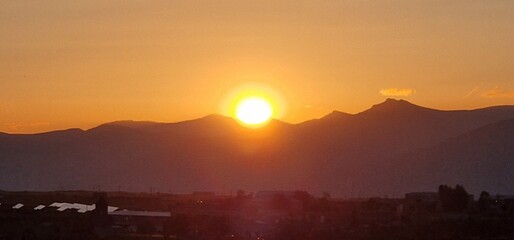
253 105
254 111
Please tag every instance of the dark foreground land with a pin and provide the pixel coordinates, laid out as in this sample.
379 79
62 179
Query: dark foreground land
274 215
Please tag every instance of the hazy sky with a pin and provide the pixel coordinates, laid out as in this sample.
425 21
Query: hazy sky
84 62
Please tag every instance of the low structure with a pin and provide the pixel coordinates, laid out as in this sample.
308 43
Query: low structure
147 222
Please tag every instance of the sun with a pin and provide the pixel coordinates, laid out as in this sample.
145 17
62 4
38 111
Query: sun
253 104
253 111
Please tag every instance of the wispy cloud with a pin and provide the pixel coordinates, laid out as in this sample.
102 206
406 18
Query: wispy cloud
397 92
21 126
312 107
472 91
498 93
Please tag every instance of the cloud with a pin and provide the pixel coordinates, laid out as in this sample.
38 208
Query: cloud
498 93
21 126
472 91
397 92
312 107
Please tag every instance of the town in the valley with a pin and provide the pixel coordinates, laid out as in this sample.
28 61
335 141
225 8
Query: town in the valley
449 212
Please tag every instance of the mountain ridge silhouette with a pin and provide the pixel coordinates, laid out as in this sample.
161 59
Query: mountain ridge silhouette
342 153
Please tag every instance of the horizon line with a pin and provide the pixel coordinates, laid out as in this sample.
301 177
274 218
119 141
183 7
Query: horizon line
389 99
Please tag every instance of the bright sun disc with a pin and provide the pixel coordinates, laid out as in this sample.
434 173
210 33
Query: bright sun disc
253 111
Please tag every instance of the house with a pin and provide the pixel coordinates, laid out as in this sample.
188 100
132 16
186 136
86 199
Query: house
142 222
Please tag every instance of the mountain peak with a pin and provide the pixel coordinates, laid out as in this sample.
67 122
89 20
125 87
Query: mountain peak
392 101
208 120
337 115
133 124
391 104
215 116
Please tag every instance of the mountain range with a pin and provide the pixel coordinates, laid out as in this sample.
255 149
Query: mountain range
390 149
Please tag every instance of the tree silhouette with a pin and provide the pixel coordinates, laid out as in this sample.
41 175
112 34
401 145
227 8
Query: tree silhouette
453 199
279 202
305 198
484 201
241 193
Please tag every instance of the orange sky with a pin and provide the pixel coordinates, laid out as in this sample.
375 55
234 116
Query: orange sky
80 63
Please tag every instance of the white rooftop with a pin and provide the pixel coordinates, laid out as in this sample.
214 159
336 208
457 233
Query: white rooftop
56 204
111 209
17 206
62 206
81 208
39 207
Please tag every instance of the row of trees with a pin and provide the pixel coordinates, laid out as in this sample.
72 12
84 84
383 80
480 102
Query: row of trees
457 200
